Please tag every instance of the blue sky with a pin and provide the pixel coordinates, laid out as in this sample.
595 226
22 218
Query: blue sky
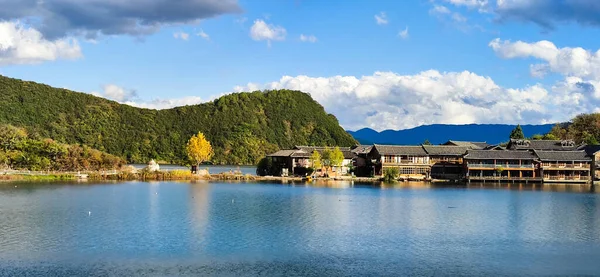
378 64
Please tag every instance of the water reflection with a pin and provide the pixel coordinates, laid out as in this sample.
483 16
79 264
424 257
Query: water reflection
341 228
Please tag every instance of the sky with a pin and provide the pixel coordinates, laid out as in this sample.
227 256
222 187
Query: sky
373 64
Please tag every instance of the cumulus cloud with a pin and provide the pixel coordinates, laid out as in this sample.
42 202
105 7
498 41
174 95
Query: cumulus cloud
566 61
60 18
404 33
25 45
181 35
548 13
386 100
131 97
260 30
308 38
160 104
117 93
381 19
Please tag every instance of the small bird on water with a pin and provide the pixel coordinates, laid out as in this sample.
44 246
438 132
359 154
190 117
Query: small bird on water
89 213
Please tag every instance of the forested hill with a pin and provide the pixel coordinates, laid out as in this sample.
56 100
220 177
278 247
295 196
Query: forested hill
242 127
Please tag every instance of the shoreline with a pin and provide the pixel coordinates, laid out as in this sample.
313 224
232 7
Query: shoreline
188 176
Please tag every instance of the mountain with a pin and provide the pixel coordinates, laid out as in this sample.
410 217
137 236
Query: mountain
242 127
440 133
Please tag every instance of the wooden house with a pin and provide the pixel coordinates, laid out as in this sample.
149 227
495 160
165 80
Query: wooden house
502 165
446 161
564 166
412 161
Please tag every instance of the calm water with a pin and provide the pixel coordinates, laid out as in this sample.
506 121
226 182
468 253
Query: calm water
236 229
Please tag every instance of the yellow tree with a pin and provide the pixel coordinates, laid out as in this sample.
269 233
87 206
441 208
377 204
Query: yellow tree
199 149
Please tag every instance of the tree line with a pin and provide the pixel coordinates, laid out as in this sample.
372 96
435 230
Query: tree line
19 150
242 127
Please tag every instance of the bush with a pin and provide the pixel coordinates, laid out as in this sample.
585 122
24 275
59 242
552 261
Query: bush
390 174
265 167
303 171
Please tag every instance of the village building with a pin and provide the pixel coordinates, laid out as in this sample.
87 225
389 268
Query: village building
296 161
412 161
564 166
501 165
363 163
545 145
593 152
446 161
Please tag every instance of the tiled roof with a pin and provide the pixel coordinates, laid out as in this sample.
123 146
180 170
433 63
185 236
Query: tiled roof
400 150
282 153
446 150
500 155
470 144
306 151
590 149
542 145
362 149
563 156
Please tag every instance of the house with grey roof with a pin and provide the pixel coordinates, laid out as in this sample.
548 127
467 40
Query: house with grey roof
545 145
469 144
482 165
411 161
593 151
296 161
565 166
446 161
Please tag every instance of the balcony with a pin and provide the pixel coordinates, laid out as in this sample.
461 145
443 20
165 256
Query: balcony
580 166
500 166
503 178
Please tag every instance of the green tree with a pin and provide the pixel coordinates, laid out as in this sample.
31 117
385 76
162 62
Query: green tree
336 157
517 133
426 142
315 160
326 158
390 174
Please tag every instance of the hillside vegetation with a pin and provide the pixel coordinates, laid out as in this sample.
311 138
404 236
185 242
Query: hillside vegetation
242 127
19 150
584 128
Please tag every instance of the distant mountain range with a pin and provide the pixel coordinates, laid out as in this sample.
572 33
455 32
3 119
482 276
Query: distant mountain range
440 133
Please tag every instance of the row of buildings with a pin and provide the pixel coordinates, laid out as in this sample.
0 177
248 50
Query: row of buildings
520 160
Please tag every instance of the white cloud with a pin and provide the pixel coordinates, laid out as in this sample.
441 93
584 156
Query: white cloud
566 61
131 97
260 30
203 35
116 93
481 5
308 38
439 10
386 100
404 33
23 45
160 104
181 35
381 19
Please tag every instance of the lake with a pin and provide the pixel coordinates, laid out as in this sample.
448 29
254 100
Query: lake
324 229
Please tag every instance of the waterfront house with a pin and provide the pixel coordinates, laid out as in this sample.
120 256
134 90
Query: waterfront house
505 165
564 166
296 161
446 161
593 152
411 161
546 145
363 163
